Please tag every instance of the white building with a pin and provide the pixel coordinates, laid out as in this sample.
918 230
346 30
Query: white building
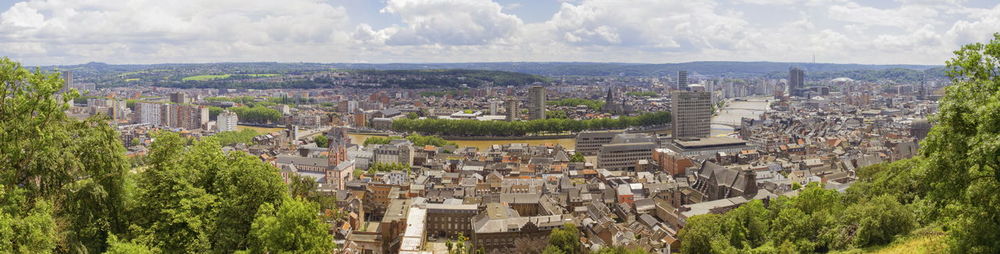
227 121
147 113
495 107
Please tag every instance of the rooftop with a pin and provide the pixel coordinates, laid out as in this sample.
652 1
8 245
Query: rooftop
710 142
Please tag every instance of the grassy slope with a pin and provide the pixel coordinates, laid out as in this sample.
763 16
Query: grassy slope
206 77
222 76
925 240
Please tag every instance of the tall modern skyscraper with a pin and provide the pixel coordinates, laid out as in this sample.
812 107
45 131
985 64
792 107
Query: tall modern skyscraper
682 80
536 102
68 78
692 113
796 82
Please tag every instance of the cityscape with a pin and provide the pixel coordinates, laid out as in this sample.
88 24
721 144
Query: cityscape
417 150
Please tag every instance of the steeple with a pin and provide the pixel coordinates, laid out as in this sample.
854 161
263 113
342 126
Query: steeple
338 146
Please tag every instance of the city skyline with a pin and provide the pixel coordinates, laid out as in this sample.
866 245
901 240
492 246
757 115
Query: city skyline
45 32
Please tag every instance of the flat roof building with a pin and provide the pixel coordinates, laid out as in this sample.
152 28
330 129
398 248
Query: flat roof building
692 113
590 142
707 146
625 150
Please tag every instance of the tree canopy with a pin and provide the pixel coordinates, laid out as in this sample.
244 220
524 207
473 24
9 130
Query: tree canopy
521 128
66 185
952 186
962 170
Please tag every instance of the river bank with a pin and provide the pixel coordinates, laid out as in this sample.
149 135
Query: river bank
566 141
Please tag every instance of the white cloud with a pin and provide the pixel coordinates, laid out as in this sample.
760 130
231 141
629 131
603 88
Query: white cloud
177 30
153 31
450 22
980 28
653 24
770 2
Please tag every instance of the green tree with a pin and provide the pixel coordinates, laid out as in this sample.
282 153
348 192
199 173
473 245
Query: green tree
565 240
963 170
619 250
292 227
242 186
459 246
872 222
178 213
228 138
747 225
577 157
700 231
257 114
376 140
25 227
388 167
321 141
116 246
75 168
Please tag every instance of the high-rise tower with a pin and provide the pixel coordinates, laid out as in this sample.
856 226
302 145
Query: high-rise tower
692 114
536 103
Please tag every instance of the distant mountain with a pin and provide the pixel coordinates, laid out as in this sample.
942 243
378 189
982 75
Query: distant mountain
713 69
180 75
893 74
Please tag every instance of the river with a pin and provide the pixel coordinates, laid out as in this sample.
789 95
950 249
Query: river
722 124
733 112
568 143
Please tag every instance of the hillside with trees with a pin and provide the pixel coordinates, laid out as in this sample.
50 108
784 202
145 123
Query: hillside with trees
445 78
951 188
264 75
66 186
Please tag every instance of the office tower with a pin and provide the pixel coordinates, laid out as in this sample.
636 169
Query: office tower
227 121
179 98
692 114
68 78
796 82
512 110
682 80
536 103
922 92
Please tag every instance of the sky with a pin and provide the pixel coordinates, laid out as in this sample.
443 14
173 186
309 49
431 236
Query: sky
60 32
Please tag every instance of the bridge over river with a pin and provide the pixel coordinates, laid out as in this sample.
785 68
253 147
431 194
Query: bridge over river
728 118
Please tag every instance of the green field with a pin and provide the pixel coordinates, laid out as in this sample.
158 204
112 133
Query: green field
222 76
262 75
206 77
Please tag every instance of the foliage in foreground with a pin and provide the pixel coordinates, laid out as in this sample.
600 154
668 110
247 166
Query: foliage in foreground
65 186
817 220
228 138
955 182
